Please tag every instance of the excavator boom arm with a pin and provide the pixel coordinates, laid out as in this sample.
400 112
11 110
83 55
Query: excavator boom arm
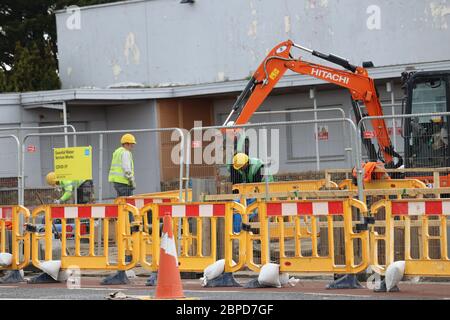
356 80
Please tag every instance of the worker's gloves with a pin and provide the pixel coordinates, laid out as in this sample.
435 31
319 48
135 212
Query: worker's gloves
57 201
128 175
132 183
130 178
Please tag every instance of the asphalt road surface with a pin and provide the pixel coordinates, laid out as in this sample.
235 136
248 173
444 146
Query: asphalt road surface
90 289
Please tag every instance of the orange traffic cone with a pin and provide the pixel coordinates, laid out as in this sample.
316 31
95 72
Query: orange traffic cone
169 280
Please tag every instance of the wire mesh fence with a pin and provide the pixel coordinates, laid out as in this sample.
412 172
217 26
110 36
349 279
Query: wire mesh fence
155 167
211 153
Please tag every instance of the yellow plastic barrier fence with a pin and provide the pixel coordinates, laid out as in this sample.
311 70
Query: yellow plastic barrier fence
413 230
326 215
10 221
285 186
140 201
200 224
384 184
117 214
167 194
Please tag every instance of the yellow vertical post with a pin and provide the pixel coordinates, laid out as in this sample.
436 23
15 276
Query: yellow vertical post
425 236
120 227
297 236
156 239
91 237
199 237
389 233
14 233
437 182
105 237
444 235
48 234
185 243
213 236
280 222
330 237
77 237
3 236
407 238
63 238
265 237
349 254
228 232
314 236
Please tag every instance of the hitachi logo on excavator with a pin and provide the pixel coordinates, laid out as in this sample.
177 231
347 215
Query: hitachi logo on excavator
329 76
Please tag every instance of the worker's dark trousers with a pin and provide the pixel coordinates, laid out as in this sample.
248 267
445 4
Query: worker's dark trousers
123 190
120 277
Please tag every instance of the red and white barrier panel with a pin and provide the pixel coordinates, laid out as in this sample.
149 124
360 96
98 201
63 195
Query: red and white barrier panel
193 210
140 203
5 212
305 208
85 212
421 208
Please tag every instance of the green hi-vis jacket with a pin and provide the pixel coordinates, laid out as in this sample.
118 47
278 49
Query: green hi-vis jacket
249 176
68 186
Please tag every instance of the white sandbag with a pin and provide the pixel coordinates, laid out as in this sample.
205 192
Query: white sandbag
5 259
51 268
293 281
394 274
130 274
284 279
216 269
270 275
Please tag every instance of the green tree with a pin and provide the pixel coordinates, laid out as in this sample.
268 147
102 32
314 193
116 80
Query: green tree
3 81
31 23
33 70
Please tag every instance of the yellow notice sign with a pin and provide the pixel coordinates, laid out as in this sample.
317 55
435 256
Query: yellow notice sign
73 163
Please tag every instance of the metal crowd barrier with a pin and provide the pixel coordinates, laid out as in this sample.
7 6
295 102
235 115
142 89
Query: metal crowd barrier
199 228
124 237
10 222
316 215
426 221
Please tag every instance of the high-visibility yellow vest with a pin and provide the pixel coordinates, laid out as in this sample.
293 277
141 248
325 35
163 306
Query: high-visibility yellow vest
67 186
116 173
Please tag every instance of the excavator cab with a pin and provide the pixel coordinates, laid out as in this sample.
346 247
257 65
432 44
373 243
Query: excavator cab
426 137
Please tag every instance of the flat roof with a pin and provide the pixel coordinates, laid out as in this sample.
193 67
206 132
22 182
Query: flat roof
95 6
109 95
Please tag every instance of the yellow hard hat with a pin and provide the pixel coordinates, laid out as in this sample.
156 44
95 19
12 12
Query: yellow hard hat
128 138
437 119
240 160
51 178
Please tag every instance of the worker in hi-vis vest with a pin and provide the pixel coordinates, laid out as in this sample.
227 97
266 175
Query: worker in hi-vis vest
121 175
84 189
84 195
246 170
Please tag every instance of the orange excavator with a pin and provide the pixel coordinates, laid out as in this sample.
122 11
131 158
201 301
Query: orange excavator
362 90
